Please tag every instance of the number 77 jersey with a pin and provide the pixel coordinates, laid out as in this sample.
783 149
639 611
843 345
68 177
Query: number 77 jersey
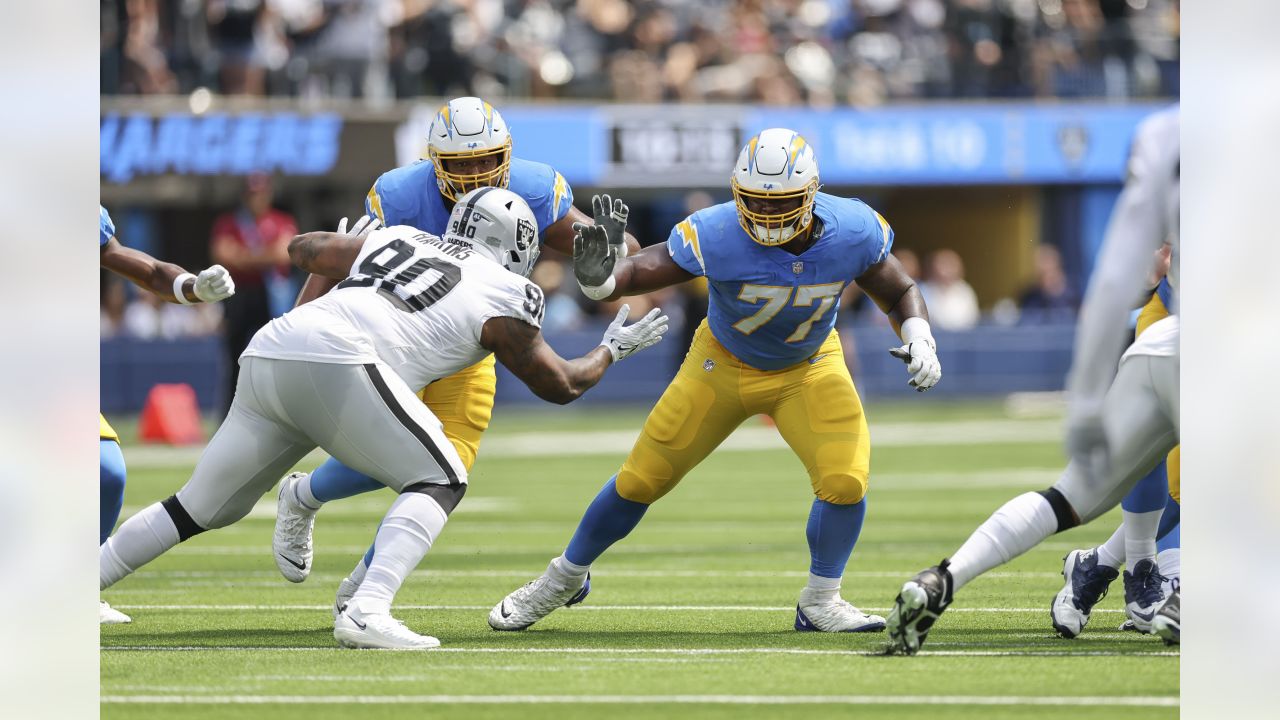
413 301
770 308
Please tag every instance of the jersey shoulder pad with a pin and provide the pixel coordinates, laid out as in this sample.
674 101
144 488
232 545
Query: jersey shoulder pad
397 194
546 191
859 225
106 228
509 295
699 242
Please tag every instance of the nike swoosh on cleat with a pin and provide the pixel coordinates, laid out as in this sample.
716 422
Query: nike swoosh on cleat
1144 618
357 622
291 561
814 360
503 609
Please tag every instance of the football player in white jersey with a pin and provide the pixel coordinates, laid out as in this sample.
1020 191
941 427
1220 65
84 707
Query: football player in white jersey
1121 422
338 373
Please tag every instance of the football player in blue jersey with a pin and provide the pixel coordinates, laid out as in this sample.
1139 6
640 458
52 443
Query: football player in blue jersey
174 285
776 261
469 146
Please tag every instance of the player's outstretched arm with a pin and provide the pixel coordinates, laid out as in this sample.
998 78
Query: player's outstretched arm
167 280
897 295
603 274
520 348
317 284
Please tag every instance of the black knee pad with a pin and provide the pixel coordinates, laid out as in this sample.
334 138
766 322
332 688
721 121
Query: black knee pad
1062 510
181 518
447 496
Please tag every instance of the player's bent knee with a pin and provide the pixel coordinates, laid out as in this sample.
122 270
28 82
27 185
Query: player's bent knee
446 496
182 520
842 488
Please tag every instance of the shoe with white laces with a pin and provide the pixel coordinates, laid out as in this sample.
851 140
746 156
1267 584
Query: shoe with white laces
1087 581
291 543
356 628
832 613
534 601
1143 594
346 589
108 615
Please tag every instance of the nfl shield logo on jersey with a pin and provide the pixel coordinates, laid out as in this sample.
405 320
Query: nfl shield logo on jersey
797 267
709 365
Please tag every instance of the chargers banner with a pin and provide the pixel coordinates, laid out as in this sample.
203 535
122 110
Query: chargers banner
671 146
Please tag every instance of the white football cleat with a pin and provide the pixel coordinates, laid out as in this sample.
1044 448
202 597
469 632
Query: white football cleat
291 543
1087 581
346 589
832 614
534 601
357 629
1143 594
108 615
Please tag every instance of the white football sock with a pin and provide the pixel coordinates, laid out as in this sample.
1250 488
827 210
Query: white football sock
141 539
565 572
302 494
1140 536
1170 562
412 524
821 588
1019 525
1111 552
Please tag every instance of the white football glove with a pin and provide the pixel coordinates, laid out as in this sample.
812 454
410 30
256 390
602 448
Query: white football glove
365 225
214 283
622 341
922 363
1087 439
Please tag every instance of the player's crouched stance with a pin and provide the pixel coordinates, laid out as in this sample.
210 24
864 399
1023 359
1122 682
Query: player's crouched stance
776 260
337 373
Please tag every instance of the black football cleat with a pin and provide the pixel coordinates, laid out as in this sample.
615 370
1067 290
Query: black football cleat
917 607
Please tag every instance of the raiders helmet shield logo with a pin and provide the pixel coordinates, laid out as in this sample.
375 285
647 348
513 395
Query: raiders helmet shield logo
526 234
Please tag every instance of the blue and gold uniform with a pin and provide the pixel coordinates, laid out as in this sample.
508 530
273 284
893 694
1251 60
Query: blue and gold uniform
768 346
410 195
111 468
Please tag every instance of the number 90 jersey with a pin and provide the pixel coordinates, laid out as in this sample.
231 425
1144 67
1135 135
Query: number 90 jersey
413 301
770 308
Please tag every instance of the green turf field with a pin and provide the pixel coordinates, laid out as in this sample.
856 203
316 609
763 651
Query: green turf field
690 616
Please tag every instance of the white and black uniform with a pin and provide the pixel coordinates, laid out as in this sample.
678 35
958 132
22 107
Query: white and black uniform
1141 406
339 373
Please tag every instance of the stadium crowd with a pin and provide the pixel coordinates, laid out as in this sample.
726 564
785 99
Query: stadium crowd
780 52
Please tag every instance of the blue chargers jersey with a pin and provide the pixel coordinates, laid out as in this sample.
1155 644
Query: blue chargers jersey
410 196
770 308
106 228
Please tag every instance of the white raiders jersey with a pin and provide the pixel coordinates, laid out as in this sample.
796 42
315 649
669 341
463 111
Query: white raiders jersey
413 301
1155 162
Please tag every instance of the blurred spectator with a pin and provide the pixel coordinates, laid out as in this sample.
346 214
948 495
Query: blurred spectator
951 301
148 317
111 309
252 242
778 52
562 311
1050 299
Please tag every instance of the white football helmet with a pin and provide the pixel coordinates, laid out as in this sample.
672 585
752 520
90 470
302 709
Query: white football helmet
499 225
468 127
776 165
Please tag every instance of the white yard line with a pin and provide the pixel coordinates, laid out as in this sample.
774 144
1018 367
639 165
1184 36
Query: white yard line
993 700
576 608
655 651
619 442
239 576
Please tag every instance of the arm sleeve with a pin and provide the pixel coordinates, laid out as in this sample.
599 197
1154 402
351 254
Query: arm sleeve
685 247
883 234
373 203
1135 232
106 228
551 196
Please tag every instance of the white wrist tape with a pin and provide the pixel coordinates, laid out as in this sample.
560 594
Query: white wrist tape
601 292
178 282
916 328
